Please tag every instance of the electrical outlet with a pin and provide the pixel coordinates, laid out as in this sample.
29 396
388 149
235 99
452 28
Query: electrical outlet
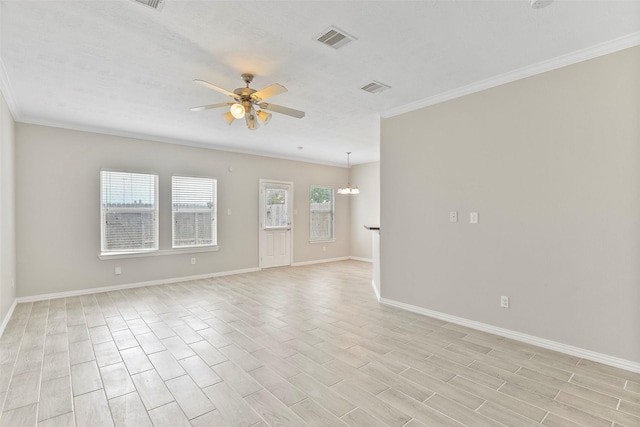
118 271
473 217
504 301
193 261
453 216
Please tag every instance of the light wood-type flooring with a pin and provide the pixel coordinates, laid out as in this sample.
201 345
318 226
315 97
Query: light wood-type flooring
294 346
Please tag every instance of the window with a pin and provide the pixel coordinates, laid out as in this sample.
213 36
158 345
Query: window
321 208
194 211
277 206
129 211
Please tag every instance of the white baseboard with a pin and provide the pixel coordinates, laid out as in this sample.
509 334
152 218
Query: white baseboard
356 258
5 321
89 291
518 336
131 285
375 289
319 261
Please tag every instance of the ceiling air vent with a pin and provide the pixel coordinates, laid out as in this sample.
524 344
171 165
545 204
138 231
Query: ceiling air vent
154 4
334 37
375 87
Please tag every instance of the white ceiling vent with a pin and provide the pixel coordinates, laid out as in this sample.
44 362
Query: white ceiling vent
375 87
154 4
334 37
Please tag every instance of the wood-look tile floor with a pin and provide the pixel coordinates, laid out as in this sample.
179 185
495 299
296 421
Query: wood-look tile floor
295 346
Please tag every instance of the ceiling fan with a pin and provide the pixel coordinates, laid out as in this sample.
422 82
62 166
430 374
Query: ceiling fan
245 99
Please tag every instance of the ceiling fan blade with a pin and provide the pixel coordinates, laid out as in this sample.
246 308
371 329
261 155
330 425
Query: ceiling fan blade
282 110
207 107
216 88
268 92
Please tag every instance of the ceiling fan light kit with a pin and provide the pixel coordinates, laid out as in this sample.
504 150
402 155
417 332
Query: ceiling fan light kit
349 189
245 98
228 117
237 111
264 116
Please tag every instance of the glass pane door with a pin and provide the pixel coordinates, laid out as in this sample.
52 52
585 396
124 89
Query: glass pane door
276 212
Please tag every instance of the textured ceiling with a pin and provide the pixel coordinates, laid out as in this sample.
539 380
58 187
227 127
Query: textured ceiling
123 68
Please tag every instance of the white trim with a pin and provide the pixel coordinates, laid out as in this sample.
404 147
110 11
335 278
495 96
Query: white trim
192 250
132 285
356 258
7 92
518 336
601 49
375 290
178 180
319 261
5 321
166 140
262 183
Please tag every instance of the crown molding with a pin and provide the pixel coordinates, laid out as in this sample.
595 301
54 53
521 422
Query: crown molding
7 92
166 140
581 55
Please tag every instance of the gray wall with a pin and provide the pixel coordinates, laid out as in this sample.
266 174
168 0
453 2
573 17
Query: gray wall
7 213
58 199
365 207
552 164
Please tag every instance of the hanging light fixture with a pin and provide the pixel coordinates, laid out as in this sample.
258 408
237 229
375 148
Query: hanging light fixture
264 116
228 117
246 100
349 189
237 111
252 119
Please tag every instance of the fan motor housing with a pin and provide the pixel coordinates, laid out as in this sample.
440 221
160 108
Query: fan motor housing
244 92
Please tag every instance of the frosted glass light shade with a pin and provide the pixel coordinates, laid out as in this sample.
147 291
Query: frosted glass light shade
348 190
237 111
252 123
264 116
228 117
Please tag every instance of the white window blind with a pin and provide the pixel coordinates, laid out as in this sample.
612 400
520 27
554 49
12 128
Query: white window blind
129 211
322 213
194 206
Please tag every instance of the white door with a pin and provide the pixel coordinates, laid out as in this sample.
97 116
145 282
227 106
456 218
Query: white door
276 202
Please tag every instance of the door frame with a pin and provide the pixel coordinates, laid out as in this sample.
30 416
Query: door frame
261 210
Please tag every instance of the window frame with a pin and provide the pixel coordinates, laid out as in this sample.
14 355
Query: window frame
104 210
213 210
332 213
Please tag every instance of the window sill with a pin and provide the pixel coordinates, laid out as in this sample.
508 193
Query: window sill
121 255
322 241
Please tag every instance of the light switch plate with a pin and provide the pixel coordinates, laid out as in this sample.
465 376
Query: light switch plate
453 216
